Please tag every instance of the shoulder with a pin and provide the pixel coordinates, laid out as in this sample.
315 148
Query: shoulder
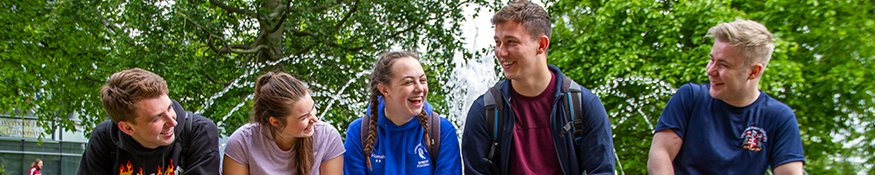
478 105
203 122
103 128
447 125
777 108
692 91
325 128
694 88
354 128
585 93
325 134
102 131
246 130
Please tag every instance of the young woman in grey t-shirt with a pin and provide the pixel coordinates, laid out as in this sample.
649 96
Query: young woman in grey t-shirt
285 137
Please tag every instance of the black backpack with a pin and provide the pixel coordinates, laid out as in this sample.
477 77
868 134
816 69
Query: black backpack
494 106
434 133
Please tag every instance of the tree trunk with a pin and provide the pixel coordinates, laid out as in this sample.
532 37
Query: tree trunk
273 40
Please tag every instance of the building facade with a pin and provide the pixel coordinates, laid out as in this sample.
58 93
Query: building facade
20 145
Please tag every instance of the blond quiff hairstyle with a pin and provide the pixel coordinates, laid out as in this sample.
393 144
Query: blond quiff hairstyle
751 39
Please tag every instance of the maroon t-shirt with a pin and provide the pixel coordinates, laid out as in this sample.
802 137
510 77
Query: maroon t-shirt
532 150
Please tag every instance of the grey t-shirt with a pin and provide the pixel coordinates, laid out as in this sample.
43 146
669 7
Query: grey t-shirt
253 146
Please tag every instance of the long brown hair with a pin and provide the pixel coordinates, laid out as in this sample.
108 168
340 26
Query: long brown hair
35 164
275 94
382 73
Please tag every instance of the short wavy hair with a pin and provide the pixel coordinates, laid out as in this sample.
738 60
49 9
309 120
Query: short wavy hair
533 17
124 89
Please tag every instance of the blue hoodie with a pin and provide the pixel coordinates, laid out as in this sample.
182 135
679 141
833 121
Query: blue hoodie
407 153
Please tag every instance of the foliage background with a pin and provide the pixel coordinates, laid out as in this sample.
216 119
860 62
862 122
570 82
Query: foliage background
634 54
55 55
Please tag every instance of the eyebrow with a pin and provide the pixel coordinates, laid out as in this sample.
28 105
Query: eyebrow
162 113
506 37
308 113
406 77
718 59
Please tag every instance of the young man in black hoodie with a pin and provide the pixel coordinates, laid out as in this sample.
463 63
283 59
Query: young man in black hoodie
148 133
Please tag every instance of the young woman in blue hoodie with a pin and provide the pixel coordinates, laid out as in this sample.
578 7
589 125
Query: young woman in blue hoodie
397 140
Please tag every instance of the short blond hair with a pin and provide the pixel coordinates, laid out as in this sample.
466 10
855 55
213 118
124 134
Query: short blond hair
751 39
124 89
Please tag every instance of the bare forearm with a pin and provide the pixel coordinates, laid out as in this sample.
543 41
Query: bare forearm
659 164
792 168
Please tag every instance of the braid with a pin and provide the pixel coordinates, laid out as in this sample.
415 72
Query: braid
382 74
372 127
423 120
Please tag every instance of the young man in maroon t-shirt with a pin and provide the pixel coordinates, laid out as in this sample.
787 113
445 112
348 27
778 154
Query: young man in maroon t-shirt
530 139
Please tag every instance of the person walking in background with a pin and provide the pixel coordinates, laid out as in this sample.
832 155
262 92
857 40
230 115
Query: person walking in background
399 132
149 133
537 121
35 167
728 126
285 137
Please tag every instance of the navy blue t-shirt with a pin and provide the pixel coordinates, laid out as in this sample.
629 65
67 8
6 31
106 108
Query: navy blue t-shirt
722 139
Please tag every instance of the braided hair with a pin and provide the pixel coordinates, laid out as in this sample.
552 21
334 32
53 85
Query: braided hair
382 73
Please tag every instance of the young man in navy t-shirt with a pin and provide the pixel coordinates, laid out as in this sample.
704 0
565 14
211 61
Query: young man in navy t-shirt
728 126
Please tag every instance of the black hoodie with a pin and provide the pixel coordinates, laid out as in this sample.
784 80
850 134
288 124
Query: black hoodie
110 151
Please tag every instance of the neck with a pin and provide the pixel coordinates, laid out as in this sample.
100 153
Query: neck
745 99
397 119
284 142
533 85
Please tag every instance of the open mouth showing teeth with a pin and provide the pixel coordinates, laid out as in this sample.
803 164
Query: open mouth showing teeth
415 100
507 63
167 132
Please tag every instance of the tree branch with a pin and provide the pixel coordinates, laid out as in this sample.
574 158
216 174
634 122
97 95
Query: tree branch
348 14
278 23
112 27
248 51
281 9
204 72
390 37
232 9
226 48
302 33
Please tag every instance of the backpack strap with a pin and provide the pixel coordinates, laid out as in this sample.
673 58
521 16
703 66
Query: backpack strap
434 132
573 102
493 103
186 138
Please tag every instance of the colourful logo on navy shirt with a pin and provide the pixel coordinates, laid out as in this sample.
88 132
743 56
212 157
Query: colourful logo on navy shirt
753 138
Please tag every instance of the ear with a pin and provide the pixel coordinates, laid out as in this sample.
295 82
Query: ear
383 89
275 122
543 43
126 127
756 71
